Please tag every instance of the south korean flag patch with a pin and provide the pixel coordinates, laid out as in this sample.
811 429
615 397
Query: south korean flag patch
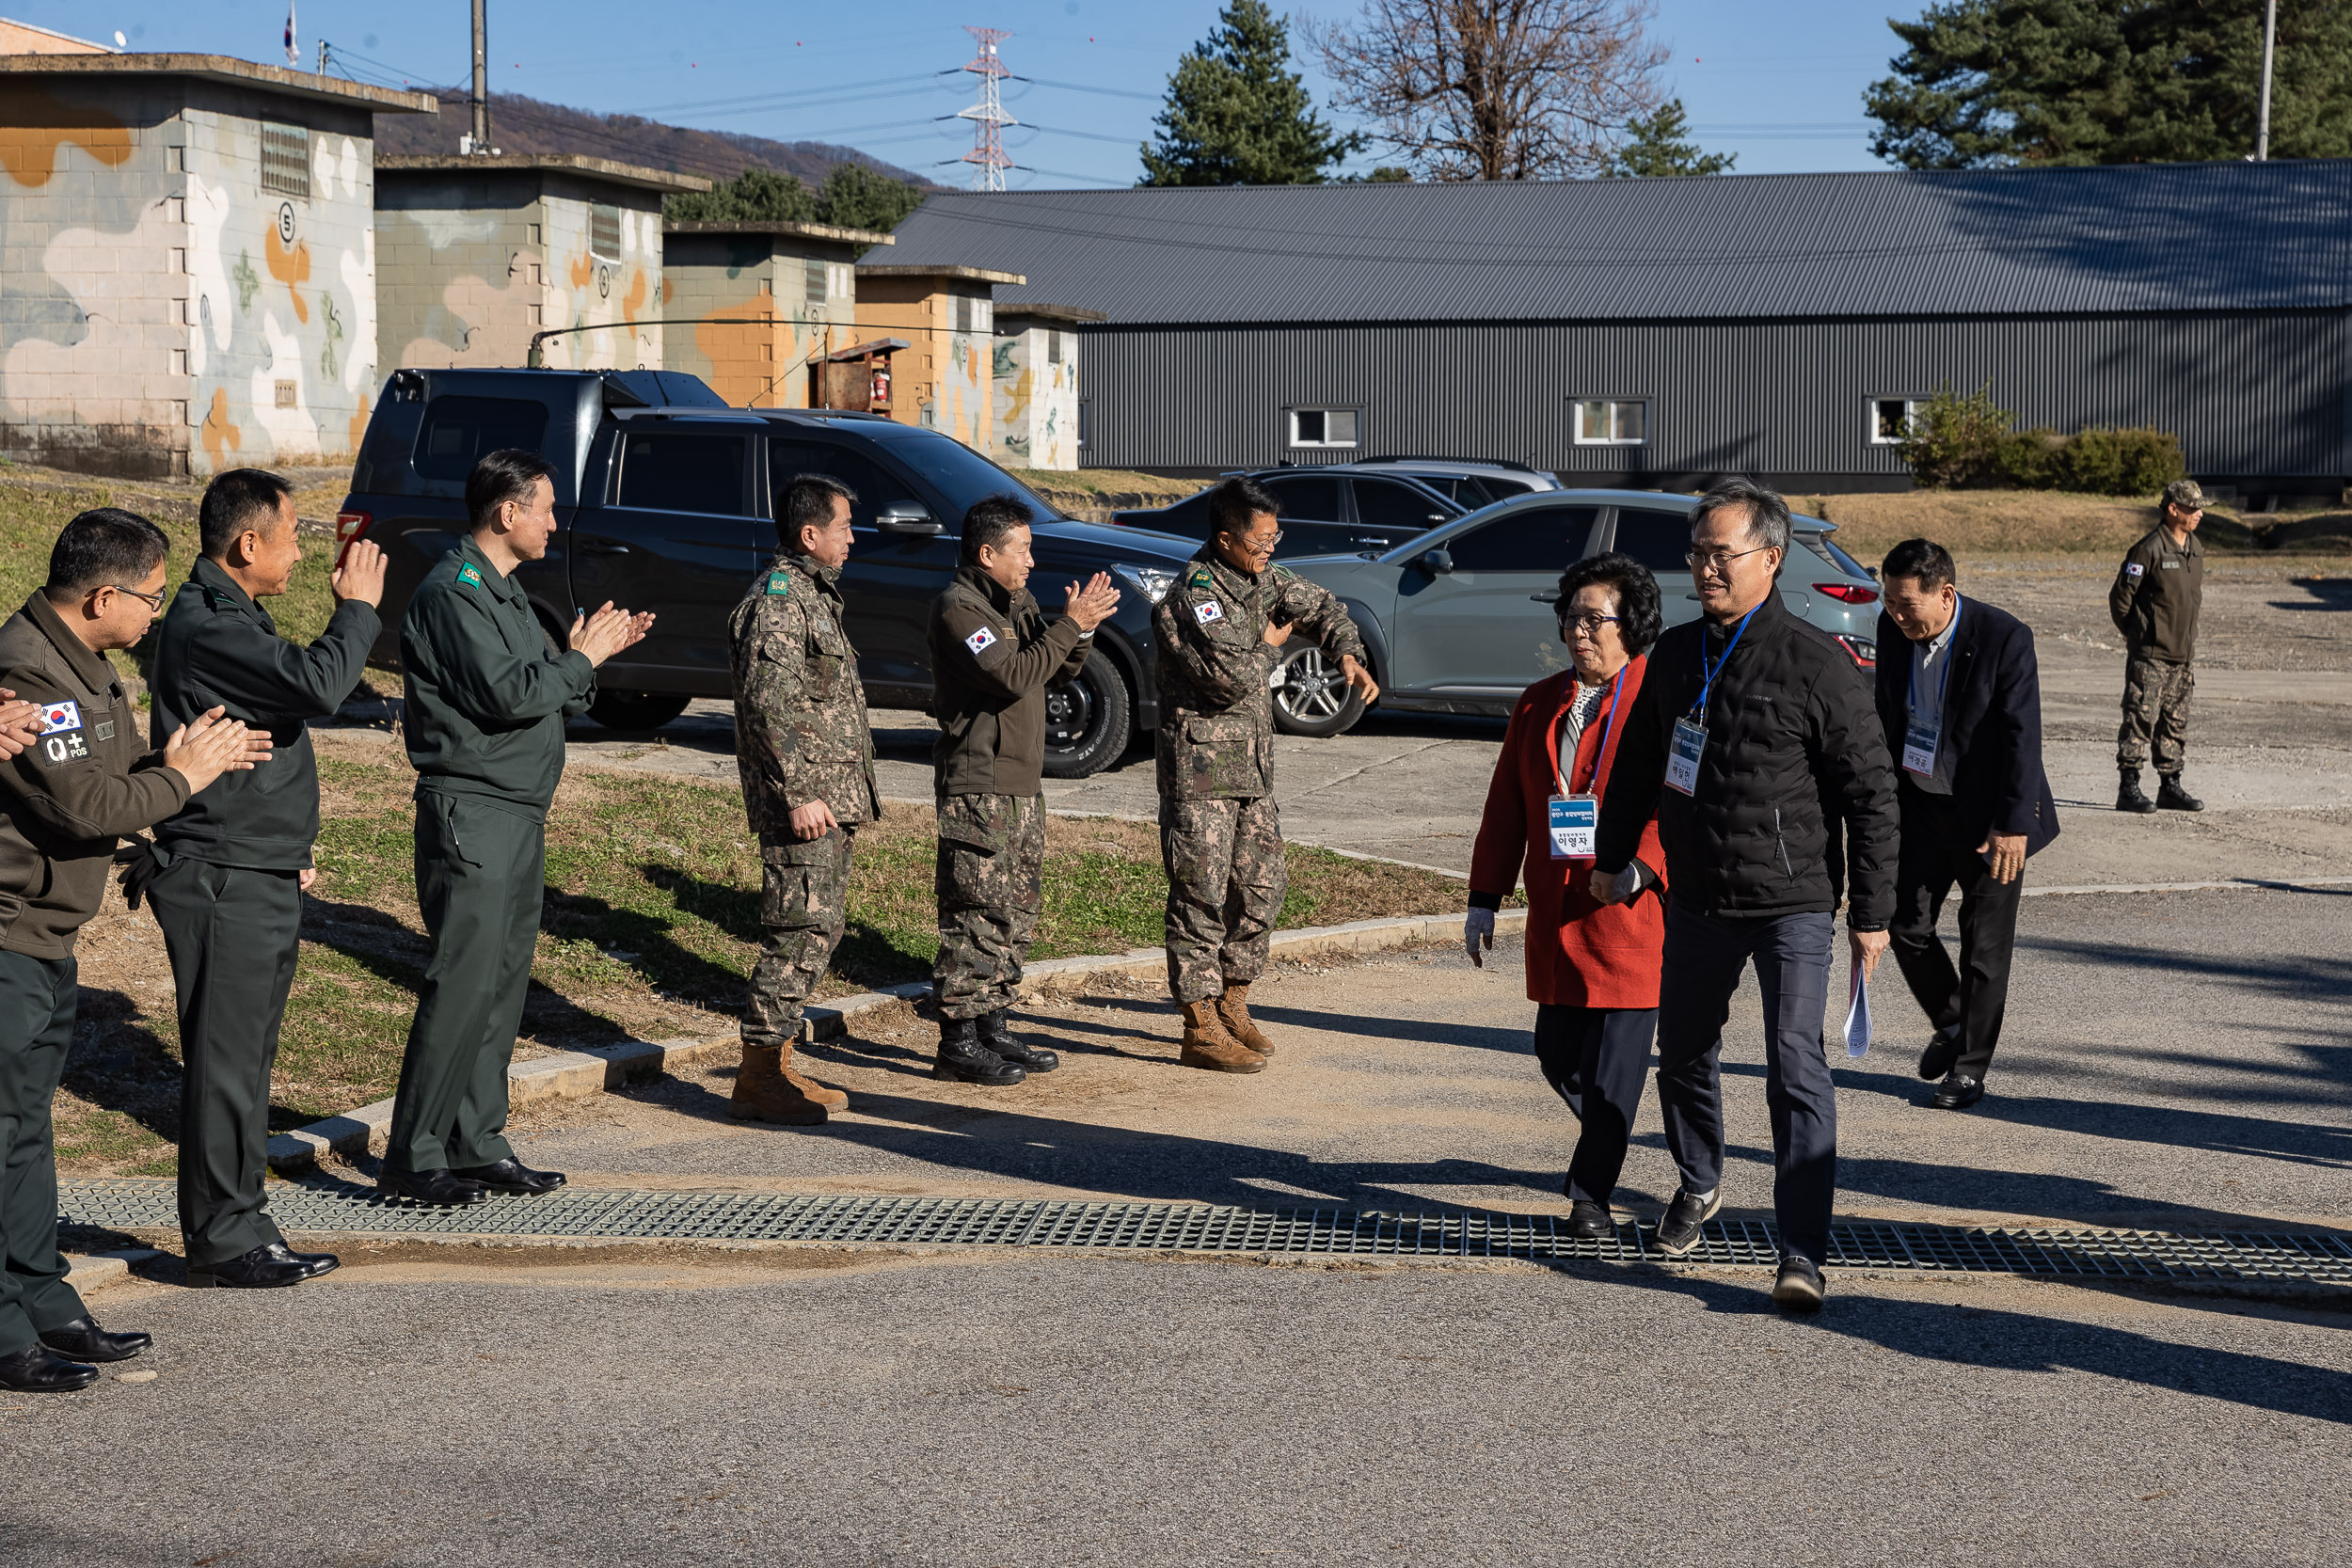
980 640
61 733
1208 611
60 716
2133 569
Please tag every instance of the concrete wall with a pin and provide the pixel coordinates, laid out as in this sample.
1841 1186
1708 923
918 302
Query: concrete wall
1034 373
715 278
160 312
946 380
470 266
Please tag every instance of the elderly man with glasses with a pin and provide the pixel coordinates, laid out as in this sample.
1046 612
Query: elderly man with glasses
1218 632
1752 730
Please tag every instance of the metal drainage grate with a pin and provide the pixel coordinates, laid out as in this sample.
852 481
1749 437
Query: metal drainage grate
604 1214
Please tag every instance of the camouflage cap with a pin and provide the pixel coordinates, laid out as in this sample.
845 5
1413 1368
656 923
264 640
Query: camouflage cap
2185 494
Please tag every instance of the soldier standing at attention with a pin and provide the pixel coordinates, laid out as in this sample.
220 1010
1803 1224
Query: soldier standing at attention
227 874
77 783
483 716
2154 604
807 756
1218 632
993 657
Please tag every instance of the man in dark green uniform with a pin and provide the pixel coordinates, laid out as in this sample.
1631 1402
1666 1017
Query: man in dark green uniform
2157 593
65 800
484 717
227 874
993 657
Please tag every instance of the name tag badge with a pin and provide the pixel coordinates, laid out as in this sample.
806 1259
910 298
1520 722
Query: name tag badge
1575 824
1682 759
1919 745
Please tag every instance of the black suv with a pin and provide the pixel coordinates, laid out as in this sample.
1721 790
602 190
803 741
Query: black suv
1325 511
664 501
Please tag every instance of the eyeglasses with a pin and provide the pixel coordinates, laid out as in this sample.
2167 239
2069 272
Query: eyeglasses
1259 545
154 601
1720 559
1589 624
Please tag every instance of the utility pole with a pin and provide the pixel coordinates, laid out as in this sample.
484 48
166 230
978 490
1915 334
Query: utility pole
2270 49
988 115
481 82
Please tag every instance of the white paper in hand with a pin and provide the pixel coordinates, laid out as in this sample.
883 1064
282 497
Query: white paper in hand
1858 1018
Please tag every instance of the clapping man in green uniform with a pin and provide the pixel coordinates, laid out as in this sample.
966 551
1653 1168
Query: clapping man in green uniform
64 800
483 716
226 875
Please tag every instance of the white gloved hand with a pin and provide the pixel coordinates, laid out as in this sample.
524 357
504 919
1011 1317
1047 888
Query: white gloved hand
1478 929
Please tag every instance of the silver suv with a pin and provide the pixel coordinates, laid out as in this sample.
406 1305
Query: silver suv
1460 620
1376 504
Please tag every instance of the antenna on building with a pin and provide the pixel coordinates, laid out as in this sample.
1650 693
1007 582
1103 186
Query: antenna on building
478 142
988 115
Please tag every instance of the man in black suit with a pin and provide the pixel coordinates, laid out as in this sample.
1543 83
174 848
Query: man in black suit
1960 696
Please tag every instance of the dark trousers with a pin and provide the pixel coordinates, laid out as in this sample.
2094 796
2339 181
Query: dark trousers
1597 1057
1704 956
233 934
37 999
479 870
1973 998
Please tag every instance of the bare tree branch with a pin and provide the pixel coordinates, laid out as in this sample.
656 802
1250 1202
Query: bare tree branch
1495 89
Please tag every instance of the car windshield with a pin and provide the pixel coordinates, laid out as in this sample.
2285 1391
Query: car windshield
961 474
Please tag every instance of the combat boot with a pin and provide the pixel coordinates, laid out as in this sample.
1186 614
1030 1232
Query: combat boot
2171 797
998 1037
962 1059
1208 1045
767 1089
1232 1011
2130 796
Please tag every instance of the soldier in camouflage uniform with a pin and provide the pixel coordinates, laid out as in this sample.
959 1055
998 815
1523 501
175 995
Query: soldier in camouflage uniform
2154 602
1217 631
992 655
807 756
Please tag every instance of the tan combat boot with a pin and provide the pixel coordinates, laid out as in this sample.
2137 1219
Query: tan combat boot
767 1089
1232 1011
1207 1044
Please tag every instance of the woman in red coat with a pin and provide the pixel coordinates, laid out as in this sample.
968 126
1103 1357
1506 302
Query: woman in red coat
1592 968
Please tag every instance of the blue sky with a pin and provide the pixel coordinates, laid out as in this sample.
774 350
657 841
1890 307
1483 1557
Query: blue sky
1780 84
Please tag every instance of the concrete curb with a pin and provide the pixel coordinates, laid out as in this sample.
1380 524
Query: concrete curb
90 1272
574 1074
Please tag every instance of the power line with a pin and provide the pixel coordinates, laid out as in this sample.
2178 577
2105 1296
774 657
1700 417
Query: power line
988 115
793 98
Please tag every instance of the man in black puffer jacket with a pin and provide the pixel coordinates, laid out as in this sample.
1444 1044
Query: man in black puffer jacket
1750 725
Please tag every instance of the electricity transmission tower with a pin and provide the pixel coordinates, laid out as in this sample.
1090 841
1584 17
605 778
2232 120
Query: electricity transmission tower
987 116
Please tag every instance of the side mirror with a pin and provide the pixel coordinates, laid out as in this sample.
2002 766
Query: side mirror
1549 595
910 517
1437 562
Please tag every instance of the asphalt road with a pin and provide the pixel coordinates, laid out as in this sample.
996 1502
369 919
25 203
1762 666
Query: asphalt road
1056 1412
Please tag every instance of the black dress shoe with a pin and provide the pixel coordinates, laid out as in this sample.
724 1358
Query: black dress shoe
996 1036
1683 1224
511 1175
265 1268
39 1369
1959 1092
1589 1221
1799 1289
442 1189
1941 1052
84 1340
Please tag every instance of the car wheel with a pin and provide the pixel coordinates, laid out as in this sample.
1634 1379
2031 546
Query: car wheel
1312 696
636 710
1090 719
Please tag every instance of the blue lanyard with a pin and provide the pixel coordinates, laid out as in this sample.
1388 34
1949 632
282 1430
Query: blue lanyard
1607 730
1707 683
1944 684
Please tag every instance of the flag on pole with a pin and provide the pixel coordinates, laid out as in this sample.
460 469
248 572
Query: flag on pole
293 55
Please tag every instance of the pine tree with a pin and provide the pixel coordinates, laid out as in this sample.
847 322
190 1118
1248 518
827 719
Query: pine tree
1659 143
1237 115
855 197
754 195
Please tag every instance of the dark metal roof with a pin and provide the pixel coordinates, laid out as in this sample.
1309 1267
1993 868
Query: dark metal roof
2271 236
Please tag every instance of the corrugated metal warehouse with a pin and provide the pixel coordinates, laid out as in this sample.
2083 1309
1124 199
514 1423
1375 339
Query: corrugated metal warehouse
1658 332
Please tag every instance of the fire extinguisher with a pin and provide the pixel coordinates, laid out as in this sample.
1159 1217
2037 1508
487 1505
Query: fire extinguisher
881 394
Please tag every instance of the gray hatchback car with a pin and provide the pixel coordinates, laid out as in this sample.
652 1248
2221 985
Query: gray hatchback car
1460 620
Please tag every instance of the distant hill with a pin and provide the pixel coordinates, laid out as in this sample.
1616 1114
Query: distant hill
521 124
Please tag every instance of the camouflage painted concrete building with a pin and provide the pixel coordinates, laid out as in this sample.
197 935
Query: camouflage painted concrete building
795 284
946 379
476 254
187 261
1034 373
